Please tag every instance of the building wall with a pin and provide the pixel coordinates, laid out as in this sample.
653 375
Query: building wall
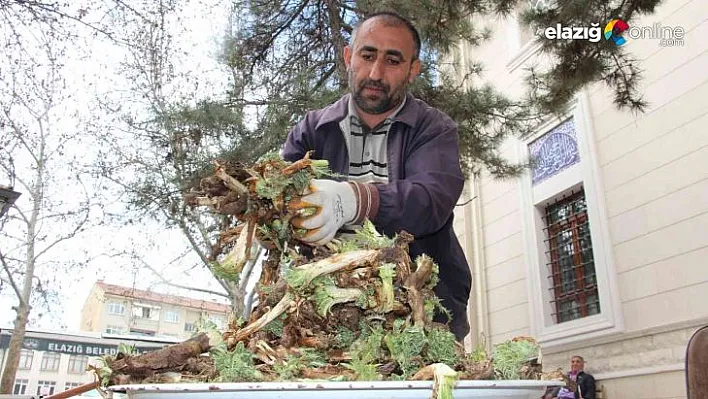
61 376
89 346
97 316
105 318
92 311
650 171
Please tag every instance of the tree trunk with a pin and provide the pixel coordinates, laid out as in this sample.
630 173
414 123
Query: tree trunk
336 22
238 295
13 352
23 308
169 358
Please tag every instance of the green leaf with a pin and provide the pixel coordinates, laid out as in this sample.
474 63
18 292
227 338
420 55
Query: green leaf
236 365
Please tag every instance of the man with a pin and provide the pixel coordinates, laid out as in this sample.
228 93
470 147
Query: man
585 382
400 157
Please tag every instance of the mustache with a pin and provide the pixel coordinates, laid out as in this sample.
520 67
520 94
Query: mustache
374 84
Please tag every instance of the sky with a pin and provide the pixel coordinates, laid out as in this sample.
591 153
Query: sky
91 71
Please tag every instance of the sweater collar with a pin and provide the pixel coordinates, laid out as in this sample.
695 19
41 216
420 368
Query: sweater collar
340 109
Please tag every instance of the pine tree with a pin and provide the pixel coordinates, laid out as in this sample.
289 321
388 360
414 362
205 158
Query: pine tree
287 58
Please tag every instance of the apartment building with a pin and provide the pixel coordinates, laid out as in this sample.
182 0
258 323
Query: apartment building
600 251
120 310
53 362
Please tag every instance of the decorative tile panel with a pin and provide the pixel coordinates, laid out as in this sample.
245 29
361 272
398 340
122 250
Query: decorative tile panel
555 151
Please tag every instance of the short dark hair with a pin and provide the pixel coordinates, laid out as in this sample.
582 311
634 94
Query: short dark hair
578 357
394 19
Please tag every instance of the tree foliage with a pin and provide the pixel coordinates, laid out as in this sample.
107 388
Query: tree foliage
287 58
580 62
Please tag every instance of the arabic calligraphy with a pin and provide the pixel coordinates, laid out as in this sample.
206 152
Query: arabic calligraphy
555 151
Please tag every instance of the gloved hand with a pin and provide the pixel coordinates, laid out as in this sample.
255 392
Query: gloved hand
336 205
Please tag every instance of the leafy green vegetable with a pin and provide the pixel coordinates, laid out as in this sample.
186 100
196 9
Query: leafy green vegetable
387 272
299 278
207 326
431 305
288 368
311 357
272 187
348 246
225 271
320 168
293 364
345 337
444 384
434 279
441 347
328 295
301 180
306 212
479 354
236 365
404 344
240 321
364 371
368 347
102 371
366 350
276 326
508 357
368 237
127 349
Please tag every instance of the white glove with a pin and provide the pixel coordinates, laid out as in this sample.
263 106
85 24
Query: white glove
336 206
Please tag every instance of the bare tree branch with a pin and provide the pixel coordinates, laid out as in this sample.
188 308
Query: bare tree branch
32 7
171 284
65 237
11 280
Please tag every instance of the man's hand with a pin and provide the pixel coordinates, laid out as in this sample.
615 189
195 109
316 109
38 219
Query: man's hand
335 204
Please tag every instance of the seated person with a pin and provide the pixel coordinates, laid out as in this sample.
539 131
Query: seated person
585 383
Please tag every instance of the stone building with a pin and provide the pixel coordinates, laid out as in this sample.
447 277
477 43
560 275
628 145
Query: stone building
121 310
600 251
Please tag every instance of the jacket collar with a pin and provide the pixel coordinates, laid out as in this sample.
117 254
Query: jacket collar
340 109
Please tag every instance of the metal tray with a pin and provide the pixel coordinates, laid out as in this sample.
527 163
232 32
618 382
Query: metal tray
513 389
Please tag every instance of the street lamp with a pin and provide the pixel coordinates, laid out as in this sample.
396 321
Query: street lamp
7 198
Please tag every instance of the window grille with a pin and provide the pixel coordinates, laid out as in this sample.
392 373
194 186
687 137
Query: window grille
70 385
571 265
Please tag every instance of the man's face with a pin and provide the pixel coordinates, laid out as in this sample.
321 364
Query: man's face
380 66
576 364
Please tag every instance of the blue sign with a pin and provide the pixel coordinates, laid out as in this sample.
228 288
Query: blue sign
555 151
